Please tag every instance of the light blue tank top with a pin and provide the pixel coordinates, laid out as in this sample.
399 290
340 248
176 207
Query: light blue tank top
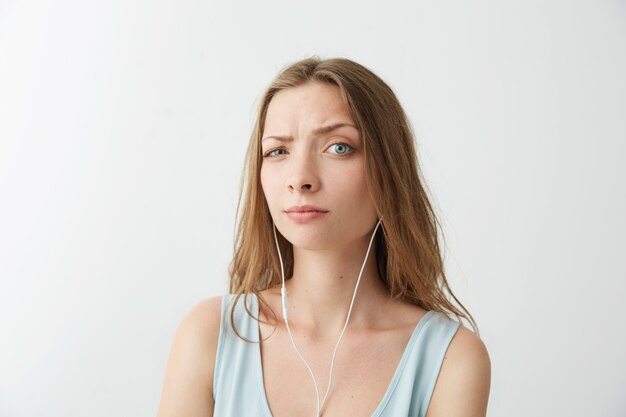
238 388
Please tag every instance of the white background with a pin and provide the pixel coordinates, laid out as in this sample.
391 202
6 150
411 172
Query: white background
123 126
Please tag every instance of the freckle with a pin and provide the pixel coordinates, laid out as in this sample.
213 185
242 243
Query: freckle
340 276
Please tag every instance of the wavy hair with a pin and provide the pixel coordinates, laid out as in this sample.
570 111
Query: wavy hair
408 254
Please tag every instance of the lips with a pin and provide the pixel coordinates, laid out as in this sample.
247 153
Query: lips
305 208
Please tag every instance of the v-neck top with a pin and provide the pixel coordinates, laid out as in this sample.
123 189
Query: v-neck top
238 388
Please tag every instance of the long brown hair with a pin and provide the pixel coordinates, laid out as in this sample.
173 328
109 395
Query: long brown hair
408 253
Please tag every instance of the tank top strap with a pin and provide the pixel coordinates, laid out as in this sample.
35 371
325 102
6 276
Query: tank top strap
413 392
237 390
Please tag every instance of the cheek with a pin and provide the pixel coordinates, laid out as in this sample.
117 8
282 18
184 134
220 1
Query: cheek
351 189
358 184
363 195
267 186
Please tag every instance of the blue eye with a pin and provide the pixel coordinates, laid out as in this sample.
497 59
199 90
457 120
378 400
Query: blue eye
271 153
341 148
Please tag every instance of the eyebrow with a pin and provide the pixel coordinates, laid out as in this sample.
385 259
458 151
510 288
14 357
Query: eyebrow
319 131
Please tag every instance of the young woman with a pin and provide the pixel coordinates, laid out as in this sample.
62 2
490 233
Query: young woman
338 303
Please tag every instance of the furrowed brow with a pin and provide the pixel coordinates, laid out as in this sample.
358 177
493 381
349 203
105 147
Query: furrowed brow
328 129
319 131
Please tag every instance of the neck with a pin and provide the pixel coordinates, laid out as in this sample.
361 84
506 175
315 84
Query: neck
323 284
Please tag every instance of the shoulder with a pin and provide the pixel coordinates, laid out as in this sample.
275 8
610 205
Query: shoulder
200 326
205 314
462 388
188 382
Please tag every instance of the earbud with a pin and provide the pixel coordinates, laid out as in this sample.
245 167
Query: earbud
283 295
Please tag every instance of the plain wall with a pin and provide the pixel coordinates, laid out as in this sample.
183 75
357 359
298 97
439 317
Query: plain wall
123 126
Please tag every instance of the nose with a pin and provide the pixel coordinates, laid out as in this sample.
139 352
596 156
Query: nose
303 176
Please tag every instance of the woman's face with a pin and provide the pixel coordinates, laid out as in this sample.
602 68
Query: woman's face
313 155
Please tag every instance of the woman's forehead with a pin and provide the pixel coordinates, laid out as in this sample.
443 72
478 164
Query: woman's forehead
310 106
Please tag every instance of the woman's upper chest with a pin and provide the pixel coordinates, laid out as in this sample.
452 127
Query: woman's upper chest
364 367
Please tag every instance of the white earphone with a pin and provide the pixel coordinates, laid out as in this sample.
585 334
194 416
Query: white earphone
283 293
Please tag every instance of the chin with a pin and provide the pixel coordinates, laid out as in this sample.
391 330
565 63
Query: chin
311 239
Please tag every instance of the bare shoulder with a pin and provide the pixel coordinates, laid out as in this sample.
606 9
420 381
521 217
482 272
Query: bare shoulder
188 382
205 316
464 380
